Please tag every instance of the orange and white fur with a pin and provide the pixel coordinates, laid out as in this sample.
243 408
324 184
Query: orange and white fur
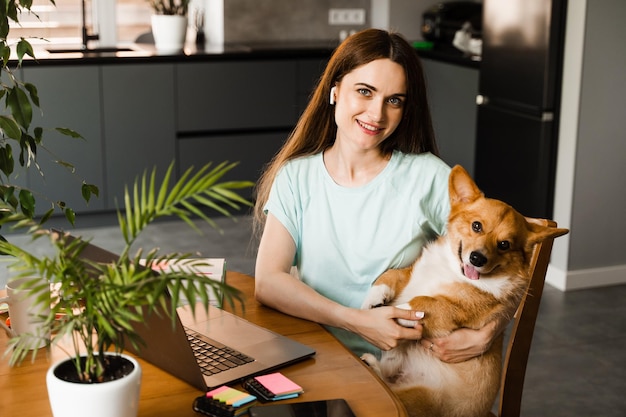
476 273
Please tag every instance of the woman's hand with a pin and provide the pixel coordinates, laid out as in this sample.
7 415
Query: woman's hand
379 326
463 344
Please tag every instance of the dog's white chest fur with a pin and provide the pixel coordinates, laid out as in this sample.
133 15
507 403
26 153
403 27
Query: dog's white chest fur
436 268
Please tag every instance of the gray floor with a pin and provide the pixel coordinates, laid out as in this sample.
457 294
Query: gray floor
577 365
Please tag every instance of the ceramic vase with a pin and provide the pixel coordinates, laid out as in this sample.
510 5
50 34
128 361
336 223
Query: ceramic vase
119 398
170 32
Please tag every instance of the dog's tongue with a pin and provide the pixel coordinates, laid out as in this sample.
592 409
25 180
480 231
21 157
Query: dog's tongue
470 272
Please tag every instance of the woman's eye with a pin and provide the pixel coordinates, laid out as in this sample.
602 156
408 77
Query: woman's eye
364 92
395 101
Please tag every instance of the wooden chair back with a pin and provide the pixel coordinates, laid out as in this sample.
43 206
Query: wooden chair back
518 347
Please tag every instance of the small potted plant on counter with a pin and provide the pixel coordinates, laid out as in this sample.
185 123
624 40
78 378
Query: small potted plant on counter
169 24
95 306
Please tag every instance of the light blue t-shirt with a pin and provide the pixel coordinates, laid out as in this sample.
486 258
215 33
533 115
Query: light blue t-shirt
346 237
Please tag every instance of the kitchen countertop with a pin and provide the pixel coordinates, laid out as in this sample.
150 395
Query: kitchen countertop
146 53
138 53
449 54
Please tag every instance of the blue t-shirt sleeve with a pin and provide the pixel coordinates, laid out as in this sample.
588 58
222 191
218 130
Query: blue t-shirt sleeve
283 202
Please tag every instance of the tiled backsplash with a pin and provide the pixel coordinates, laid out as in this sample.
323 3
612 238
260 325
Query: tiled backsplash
286 20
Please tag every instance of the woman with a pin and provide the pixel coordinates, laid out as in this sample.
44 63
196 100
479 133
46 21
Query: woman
356 190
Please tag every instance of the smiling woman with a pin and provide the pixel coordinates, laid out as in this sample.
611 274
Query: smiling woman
63 23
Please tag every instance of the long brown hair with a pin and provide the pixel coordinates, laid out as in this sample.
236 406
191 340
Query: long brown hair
316 129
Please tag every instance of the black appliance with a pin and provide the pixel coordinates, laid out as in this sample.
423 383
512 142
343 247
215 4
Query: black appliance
441 21
518 102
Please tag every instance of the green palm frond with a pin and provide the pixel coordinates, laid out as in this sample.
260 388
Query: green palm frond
186 198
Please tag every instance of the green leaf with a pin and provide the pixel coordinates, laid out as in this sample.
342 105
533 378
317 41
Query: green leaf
7 163
32 90
69 132
88 189
12 10
46 216
67 165
24 48
5 51
10 127
20 106
7 194
28 149
27 202
38 132
27 4
70 215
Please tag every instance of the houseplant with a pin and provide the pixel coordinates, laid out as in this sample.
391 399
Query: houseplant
19 140
80 300
169 24
95 305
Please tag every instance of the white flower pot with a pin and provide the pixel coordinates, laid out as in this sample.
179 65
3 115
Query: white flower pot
170 32
118 398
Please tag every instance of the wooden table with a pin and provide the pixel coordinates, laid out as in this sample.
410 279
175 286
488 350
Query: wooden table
334 372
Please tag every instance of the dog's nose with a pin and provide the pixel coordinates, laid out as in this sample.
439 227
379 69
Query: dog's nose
477 259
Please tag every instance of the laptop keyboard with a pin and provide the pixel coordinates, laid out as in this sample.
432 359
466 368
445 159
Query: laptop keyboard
214 357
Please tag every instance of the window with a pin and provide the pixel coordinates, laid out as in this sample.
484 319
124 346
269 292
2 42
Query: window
63 23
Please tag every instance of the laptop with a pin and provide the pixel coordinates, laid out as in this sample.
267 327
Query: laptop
253 350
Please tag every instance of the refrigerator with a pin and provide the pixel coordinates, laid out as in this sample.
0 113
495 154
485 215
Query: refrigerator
518 102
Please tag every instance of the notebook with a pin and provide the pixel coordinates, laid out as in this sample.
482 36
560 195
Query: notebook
253 349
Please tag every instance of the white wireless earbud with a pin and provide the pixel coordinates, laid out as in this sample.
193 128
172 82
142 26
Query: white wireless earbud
332 95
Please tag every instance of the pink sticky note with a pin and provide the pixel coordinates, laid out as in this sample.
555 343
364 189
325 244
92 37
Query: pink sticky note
216 391
278 383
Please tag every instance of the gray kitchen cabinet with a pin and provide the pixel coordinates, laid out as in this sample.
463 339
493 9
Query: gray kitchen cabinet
236 111
69 97
452 91
139 123
240 95
309 72
252 151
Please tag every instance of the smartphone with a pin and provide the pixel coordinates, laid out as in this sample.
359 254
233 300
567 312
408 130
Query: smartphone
324 408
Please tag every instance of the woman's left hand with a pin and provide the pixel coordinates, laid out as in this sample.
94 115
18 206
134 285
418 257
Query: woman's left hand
462 344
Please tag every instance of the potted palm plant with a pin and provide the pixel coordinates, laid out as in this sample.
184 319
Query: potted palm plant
94 306
169 24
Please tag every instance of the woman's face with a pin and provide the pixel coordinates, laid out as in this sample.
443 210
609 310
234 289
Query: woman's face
369 103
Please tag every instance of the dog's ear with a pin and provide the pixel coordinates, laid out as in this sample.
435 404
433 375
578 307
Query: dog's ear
461 186
539 232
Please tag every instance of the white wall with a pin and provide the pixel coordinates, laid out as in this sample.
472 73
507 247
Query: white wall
590 196
403 16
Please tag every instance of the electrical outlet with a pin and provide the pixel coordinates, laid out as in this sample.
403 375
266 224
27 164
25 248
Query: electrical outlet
346 16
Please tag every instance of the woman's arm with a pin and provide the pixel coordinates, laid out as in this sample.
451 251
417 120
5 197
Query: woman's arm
277 288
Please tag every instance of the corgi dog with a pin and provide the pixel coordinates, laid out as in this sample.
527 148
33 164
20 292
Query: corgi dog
476 273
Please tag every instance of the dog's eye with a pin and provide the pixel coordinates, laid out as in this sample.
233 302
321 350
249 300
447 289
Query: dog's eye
504 245
477 227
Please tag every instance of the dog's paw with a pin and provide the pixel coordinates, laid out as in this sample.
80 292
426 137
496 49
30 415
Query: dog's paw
369 359
377 296
372 362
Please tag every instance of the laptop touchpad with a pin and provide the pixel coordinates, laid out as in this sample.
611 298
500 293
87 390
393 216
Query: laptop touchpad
231 331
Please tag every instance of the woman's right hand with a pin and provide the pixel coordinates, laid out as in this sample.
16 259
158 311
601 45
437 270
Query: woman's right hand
379 326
